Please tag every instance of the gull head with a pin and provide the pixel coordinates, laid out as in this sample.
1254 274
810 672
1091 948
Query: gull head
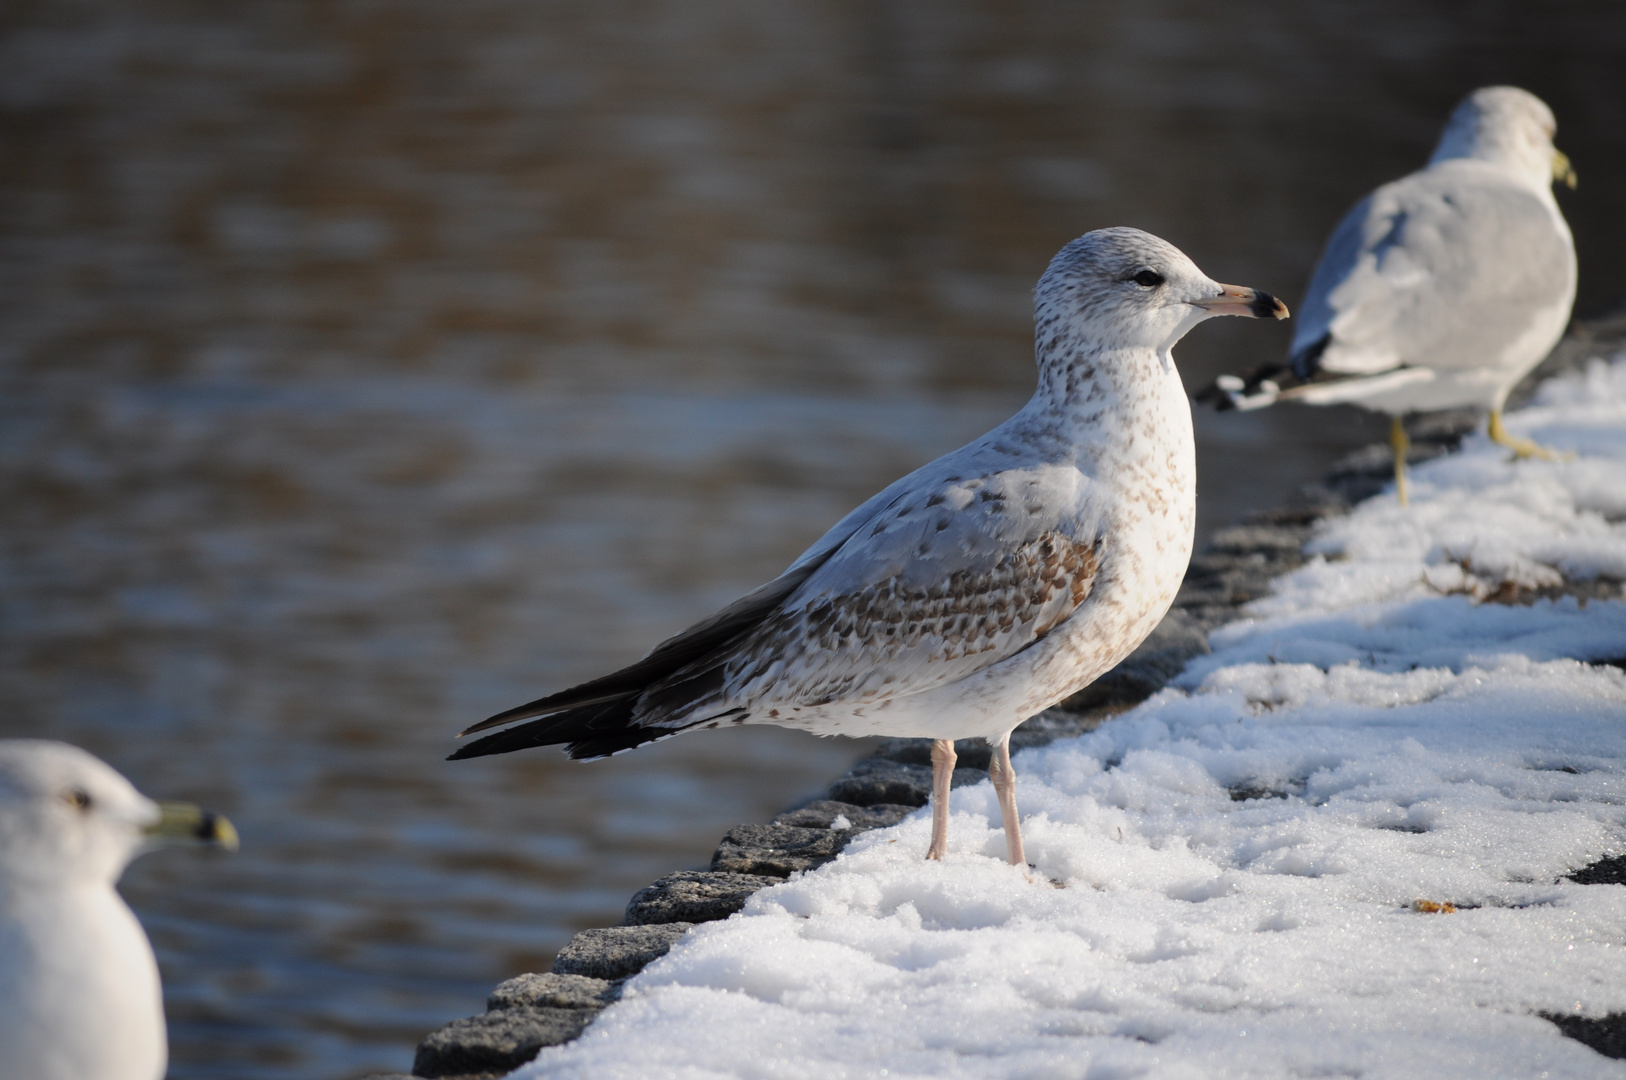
1510 127
67 818
1124 288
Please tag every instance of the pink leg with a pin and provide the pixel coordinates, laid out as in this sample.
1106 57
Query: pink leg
942 774
999 771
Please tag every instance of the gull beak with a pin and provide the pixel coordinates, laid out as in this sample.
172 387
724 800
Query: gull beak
1237 300
183 823
1563 171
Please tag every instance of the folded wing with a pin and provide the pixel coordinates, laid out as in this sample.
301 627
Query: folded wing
1443 269
938 578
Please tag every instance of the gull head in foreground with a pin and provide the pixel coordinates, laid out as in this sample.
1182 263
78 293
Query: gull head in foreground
1442 289
79 993
983 587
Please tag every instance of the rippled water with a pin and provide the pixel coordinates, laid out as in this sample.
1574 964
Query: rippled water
367 367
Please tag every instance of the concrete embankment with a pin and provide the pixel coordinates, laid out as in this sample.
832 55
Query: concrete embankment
533 1011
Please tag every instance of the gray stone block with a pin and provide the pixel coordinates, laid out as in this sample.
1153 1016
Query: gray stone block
1278 541
617 952
777 850
968 753
694 896
497 1042
1059 723
553 992
878 780
822 813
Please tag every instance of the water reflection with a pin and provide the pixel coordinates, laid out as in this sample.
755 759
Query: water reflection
367 367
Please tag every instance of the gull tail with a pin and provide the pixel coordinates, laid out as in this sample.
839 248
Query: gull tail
635 705
1305 378
587 731
1243 393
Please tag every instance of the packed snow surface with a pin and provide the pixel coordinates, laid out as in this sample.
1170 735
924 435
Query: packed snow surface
1238 877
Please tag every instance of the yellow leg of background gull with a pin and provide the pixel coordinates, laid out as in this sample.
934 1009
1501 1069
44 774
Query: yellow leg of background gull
943 758
1401 444
1522 448
1004 778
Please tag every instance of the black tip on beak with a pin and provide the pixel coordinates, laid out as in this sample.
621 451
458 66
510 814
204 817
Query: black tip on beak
1266 306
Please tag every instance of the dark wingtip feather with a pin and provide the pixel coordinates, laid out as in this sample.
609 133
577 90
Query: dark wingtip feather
1214 396
505 742
574 698
708 636
1307 361
590 731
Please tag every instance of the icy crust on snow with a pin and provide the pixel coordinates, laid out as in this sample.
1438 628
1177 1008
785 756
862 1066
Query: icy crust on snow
1227 877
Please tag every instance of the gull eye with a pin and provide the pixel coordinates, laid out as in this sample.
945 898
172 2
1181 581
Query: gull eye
1147 278
78 798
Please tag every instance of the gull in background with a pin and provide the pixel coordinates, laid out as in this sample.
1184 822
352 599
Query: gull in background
79 993
1442 289
983 587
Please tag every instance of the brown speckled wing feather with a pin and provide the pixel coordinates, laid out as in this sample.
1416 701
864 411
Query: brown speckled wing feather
885 640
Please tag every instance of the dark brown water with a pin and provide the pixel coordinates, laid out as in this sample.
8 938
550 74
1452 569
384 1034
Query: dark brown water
366 367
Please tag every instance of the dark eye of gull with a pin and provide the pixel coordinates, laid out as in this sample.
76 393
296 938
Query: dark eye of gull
1147 278
78 799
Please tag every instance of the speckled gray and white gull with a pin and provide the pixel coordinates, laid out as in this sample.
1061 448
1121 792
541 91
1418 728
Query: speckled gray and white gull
981 588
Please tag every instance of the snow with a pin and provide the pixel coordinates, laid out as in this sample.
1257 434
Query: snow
1234 879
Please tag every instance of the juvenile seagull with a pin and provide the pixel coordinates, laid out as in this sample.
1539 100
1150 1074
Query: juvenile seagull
978 590
1442 289
79 994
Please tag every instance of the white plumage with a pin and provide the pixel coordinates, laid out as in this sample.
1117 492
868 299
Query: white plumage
981 588
79 992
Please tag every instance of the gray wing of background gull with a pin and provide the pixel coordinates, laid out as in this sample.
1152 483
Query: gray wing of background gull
1441 269
950 570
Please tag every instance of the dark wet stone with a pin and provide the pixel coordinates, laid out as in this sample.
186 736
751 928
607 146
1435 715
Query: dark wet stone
968 753
1165 652
822 813
777 850
1606 1034
548 990
694 896
617 952
1061 722
1246 792
1609 870
878 780
1222 581
1275 541
497 1042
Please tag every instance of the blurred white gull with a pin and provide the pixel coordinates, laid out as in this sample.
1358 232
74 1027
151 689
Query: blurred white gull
79 993
1442 289
978 590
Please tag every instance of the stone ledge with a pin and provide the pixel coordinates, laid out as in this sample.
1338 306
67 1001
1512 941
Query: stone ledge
1235 567
823 814
876 781
553 991
694 896
496 1042
617 952
777 851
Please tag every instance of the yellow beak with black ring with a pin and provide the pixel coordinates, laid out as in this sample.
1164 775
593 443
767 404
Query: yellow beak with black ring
182 823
